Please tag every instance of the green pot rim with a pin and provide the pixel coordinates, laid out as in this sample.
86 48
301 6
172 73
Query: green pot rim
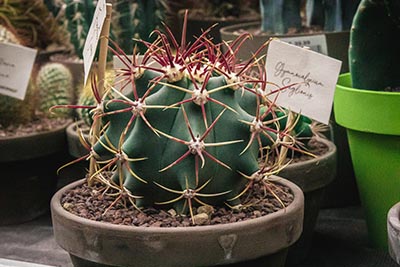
365 110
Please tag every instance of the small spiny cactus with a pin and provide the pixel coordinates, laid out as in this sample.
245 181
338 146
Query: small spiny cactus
55 86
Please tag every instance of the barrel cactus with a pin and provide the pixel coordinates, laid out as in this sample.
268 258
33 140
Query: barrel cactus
197 131
55 87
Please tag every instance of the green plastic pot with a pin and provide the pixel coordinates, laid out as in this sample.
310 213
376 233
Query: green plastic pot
372 120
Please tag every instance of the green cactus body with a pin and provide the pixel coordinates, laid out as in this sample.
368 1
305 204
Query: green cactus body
55 86
373 52
160 151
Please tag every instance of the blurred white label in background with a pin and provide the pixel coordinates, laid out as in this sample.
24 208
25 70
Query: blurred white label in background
16 63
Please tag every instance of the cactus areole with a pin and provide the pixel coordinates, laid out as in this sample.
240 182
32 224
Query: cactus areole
182 137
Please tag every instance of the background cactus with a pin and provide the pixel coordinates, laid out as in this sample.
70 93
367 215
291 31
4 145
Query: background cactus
55 87
32 22
137 19
78 17
181 137
87 99
15 111
132 19
373 53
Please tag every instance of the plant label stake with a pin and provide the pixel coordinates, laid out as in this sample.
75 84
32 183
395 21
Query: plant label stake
102 17
16 63
313 77
93 36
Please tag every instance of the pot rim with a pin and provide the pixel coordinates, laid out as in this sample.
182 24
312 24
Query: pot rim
366 110
311 169
33 145
56 207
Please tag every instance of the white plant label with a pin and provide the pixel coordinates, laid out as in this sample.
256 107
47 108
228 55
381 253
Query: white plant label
315 43
16 63
93 36
311 78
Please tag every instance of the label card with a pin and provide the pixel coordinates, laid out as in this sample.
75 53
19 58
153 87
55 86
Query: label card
312 74
315 43
93 36
16 63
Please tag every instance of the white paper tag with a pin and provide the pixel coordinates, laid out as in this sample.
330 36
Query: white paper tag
314 77
316 43
16 63
93 36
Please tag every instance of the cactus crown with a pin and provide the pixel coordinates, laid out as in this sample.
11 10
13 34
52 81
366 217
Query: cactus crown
191 132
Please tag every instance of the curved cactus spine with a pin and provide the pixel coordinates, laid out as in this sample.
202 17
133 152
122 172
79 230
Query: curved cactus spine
55 86
182 136
373 54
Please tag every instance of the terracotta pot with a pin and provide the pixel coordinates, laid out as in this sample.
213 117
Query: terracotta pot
259 241
312 176
29 173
